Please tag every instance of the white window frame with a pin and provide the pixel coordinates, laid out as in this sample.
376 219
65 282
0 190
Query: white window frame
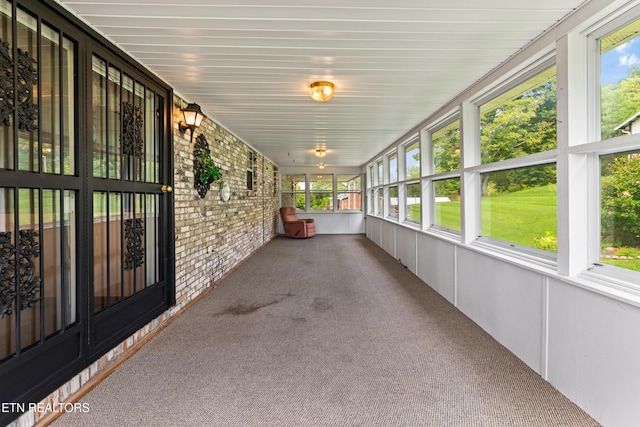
612 277
379 193
378 187
311 191
386 159
404 182
337 191
406 218
370 189
390 156
388 201
472 168
294 191
432 176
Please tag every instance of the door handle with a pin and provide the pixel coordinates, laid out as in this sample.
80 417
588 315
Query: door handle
166 189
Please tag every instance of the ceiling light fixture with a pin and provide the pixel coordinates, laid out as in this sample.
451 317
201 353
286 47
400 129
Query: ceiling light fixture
193 116
321 152
321 91
321 165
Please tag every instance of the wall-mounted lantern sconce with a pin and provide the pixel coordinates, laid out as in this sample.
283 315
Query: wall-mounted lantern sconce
192 118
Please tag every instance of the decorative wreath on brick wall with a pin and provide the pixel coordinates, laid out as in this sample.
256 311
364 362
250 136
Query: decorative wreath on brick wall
205 171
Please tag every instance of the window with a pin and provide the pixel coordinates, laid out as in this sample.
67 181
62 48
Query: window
447 203
412 202
377 180
518 204
520 122
321 192
412 160
445 145
252 159
349 192
370 191
620 210
413 189
620 82
371 202
393 168
392 160
393 201
371 177
445 151
293 191
619 235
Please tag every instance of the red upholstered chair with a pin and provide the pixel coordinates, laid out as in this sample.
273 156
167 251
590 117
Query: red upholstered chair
294 227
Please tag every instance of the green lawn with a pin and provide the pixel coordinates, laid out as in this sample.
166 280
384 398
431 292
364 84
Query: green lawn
629 264
448 215
517 217
521 216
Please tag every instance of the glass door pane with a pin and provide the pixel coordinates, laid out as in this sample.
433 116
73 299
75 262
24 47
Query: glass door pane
37 266
6 110
28 123
7 272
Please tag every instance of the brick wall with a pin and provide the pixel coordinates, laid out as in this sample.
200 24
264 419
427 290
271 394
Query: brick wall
212 237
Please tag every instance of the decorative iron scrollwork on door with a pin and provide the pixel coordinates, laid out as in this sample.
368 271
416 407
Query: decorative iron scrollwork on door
18 89
7 274
132 122
27 78
6 84
18 279
133 232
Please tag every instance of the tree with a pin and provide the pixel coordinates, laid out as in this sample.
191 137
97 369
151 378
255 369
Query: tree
519 127
446 150
320 201
620 195
619 102
446 157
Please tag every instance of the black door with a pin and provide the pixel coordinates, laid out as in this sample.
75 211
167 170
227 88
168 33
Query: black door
86 217
130 166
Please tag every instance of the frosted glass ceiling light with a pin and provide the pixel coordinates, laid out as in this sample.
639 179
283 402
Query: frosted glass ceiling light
321 91
321 152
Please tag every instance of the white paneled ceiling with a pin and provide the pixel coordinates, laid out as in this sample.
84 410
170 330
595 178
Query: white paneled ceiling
248 63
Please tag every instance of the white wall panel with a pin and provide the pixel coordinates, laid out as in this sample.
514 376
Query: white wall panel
505 300
336 223
388 230
373 230
585 344
406 247
594 353
333 223
356 223
436 265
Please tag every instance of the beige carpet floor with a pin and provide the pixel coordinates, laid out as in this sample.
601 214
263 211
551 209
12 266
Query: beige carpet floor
329 331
